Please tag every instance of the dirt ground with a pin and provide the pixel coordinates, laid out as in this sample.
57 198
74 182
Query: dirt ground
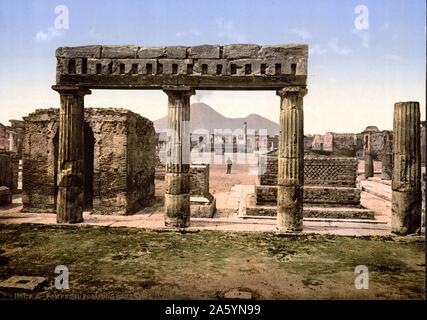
129 263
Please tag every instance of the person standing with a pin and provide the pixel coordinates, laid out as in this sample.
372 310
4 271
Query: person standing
229 163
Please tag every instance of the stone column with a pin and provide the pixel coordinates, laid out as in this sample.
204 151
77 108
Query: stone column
245 136
387 156
291 160
406 184
177 193
70 197
12 146
369 164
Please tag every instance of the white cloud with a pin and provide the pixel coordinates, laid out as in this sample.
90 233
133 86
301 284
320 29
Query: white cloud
226 30
316 49
336 48
301 32
50 34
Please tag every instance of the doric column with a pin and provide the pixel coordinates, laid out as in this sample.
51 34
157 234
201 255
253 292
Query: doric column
290 160
387 156
406 184
177 193
369 164
70 197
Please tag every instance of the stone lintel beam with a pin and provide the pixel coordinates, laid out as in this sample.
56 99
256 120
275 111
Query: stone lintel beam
290 159
177 178
69 208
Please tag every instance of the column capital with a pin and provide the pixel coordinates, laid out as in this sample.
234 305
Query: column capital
179 90
71 90
291 90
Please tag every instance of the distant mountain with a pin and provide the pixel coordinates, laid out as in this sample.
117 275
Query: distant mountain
205 117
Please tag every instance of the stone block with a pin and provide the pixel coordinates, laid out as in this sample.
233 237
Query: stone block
105 66
240 51
79 52
173 66
176 52
281 52
201 207
119 52
204 52
151 52
210 66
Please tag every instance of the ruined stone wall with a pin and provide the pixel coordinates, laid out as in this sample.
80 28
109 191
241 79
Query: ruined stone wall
327 180
141 159
199 180
17 134
328 142
39 162
317 142
117 145
6 171
423 143
308 142
4 137
318 170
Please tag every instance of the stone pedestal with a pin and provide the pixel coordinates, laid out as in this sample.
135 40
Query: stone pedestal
177 178
290 160
406 184
70 198
387 157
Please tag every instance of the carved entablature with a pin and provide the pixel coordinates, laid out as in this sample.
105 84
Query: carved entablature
235 66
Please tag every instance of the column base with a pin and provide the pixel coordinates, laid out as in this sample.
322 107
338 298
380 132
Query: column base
177 210
289 208
70 205
405 212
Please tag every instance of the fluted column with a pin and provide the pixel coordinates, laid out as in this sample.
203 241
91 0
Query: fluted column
291 160
387 156
369 164
70 197
177 178
406 184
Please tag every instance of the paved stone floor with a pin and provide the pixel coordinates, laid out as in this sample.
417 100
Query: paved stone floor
377 187
227 219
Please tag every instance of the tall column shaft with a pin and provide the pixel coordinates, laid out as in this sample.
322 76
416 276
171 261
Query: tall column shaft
177 178
70 181
291 160
387 156
369 163
406 182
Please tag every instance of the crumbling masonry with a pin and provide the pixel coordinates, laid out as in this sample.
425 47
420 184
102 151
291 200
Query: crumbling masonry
116 176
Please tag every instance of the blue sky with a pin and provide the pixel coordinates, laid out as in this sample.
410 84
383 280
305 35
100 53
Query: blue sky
355 76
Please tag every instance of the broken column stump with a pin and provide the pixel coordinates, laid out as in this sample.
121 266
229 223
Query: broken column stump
406 182
290 160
